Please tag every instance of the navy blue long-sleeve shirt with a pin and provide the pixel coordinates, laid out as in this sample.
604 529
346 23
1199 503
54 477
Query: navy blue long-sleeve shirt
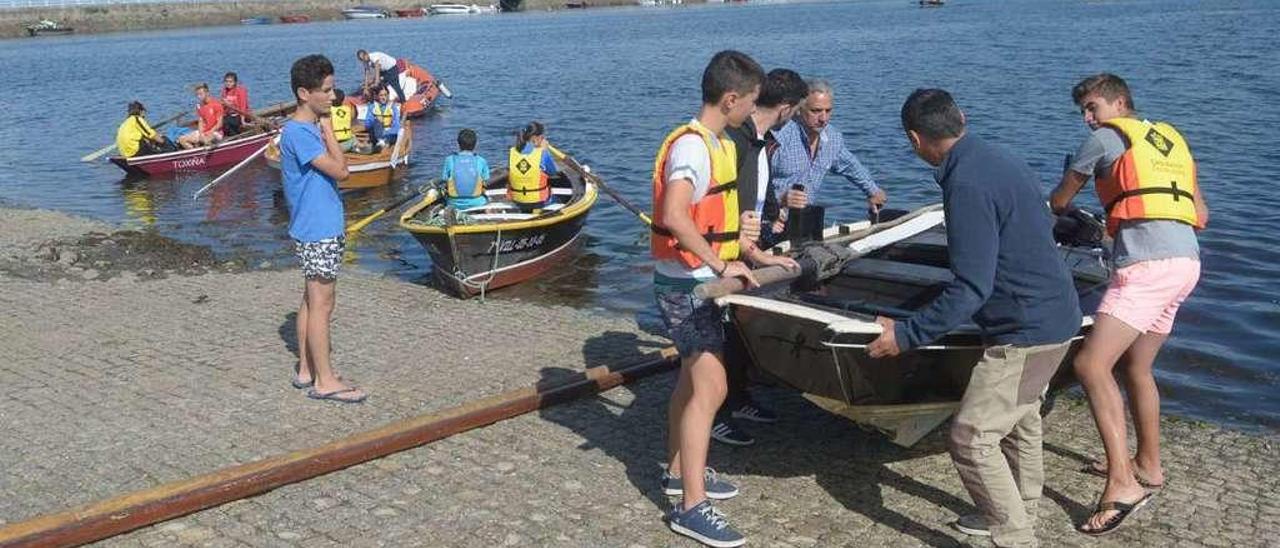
1009 276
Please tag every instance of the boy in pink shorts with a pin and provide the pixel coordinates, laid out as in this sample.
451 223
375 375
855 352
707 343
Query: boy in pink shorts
1146 180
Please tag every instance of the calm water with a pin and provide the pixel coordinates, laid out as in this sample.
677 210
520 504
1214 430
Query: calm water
610 83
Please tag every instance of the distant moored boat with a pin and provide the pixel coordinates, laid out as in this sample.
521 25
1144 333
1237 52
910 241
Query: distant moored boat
259 20
295 19
366 12
46 26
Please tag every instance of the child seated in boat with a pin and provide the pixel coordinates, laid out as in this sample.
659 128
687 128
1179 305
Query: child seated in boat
383 119
530 167
340 116
136 137
209 114
465 174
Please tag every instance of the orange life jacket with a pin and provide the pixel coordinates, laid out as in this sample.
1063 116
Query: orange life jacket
1154 179
716 214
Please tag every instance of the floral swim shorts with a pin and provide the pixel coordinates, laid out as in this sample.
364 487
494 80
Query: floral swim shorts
320 259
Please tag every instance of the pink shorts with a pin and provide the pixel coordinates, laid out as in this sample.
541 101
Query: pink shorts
1146 295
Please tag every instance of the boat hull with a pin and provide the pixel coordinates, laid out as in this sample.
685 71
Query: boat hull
197 159
367 170
816 342
469 259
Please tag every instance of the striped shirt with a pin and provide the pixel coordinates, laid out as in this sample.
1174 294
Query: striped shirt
793 165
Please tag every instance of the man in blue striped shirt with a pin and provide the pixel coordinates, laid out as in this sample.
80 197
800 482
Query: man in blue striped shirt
809 148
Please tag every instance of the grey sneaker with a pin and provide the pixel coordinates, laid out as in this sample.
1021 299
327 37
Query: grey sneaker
973 524
716 488
705 524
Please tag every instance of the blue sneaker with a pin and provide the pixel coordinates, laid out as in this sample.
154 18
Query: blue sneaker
705 524
715 487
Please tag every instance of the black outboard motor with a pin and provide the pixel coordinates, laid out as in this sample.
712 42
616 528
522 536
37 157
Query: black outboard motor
1077 227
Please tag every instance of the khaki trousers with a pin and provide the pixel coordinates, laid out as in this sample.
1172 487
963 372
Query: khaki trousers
995 439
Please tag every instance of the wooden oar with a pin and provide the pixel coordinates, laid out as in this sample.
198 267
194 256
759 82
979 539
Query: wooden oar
233 169
356 226
395 150
104 150
600 183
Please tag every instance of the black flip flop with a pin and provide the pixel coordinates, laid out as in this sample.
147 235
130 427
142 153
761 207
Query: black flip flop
1123 509
333 396
1094 468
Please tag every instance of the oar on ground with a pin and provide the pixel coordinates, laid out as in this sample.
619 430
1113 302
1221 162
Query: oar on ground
107 149
600 183
358 225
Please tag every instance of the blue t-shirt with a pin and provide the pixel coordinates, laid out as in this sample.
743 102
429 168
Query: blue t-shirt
315 208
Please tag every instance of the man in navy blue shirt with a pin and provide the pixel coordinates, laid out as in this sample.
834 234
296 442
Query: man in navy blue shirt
1009 280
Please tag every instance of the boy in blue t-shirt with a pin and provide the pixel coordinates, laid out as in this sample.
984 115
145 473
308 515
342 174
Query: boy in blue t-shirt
312 163
465 174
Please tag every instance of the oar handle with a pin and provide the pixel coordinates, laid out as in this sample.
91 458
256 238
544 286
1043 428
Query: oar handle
724 286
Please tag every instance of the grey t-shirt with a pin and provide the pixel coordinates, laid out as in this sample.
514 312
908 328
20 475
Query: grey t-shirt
1137 240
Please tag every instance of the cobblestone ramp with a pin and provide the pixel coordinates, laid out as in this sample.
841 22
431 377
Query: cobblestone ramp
117 385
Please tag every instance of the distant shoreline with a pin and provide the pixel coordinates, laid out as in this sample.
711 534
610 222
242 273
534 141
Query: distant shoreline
136 17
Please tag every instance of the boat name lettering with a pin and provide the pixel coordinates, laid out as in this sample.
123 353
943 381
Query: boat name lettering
195 161
518 244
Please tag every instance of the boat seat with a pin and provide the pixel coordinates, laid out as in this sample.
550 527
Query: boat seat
935 238
895 271
490 205
502 191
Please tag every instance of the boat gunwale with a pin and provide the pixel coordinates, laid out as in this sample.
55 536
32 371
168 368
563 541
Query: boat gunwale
574 209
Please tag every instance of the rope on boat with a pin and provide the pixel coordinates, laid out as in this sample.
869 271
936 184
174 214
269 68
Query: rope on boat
482 286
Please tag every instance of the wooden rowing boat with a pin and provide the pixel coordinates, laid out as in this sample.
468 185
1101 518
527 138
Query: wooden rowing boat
366 170
814 338
497 245
227 152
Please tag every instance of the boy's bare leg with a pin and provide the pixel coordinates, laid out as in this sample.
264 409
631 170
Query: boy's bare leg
320 303
1144 403
305 371
1094 364
705 377
675 409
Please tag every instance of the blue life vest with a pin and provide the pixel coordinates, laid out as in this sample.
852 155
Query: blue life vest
466 181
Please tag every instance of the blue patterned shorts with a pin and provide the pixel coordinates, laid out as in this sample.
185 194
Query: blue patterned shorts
320 259
695 325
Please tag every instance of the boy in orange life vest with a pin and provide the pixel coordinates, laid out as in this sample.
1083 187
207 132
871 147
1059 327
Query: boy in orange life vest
1146 179
696 238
